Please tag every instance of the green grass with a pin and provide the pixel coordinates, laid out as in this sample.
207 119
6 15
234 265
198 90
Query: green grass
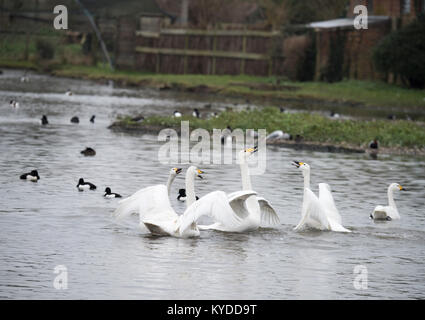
366 92
17 64
312 127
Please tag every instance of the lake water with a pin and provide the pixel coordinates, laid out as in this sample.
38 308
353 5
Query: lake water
50 223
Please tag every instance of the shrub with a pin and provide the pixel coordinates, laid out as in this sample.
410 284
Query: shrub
45 49
403 53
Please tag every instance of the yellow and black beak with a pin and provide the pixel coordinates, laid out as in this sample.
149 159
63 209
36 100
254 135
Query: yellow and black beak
297 164
178 170
401 188
252 150
199 173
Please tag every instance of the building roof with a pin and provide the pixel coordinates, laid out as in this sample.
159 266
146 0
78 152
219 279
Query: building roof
343 22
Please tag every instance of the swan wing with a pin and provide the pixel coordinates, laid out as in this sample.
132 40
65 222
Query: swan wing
237 202
156 207
216 206
147 202
269 216
312 210
327 200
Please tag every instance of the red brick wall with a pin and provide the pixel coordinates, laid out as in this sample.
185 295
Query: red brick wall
392 8
358 50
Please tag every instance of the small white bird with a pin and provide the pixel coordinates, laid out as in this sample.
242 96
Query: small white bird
177 114
14 104
196 113
335 115
389 212
318 212
25 79
68 93
278 134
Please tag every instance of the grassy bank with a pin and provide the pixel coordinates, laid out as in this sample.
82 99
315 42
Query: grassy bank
352 91
312 127
349 92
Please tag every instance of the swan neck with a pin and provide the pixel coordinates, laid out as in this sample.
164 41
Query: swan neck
391 201
306 179
190 188
171 178
246 179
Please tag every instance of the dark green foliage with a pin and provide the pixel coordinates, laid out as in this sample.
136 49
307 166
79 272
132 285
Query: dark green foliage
403 53
45 49
306 67
305 11
334 68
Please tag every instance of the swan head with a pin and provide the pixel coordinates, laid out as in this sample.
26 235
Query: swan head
246 153
194 171
396 187
304 167
175 171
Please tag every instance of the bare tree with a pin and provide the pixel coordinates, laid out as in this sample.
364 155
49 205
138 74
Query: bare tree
203 13
184 15
275 12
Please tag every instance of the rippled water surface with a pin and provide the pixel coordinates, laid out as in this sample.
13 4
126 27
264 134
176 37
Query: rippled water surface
50 223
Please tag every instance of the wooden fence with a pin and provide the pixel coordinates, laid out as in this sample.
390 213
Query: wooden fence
194 51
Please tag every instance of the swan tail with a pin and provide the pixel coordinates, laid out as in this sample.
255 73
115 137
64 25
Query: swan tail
335 226
126 208
214 226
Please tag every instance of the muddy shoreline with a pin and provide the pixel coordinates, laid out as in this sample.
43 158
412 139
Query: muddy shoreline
301 102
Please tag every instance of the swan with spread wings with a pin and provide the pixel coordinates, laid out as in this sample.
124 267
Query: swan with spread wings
255 211
318 212
158 216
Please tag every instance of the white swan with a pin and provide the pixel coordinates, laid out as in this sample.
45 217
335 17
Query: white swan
255 211
130 205
318 213
159 217
389 212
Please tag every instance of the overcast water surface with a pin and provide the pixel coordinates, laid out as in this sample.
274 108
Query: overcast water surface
50 223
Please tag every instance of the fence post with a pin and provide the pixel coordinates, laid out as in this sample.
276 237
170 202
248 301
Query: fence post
157 63
317 34
270 66
186 46
243 50
214 48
